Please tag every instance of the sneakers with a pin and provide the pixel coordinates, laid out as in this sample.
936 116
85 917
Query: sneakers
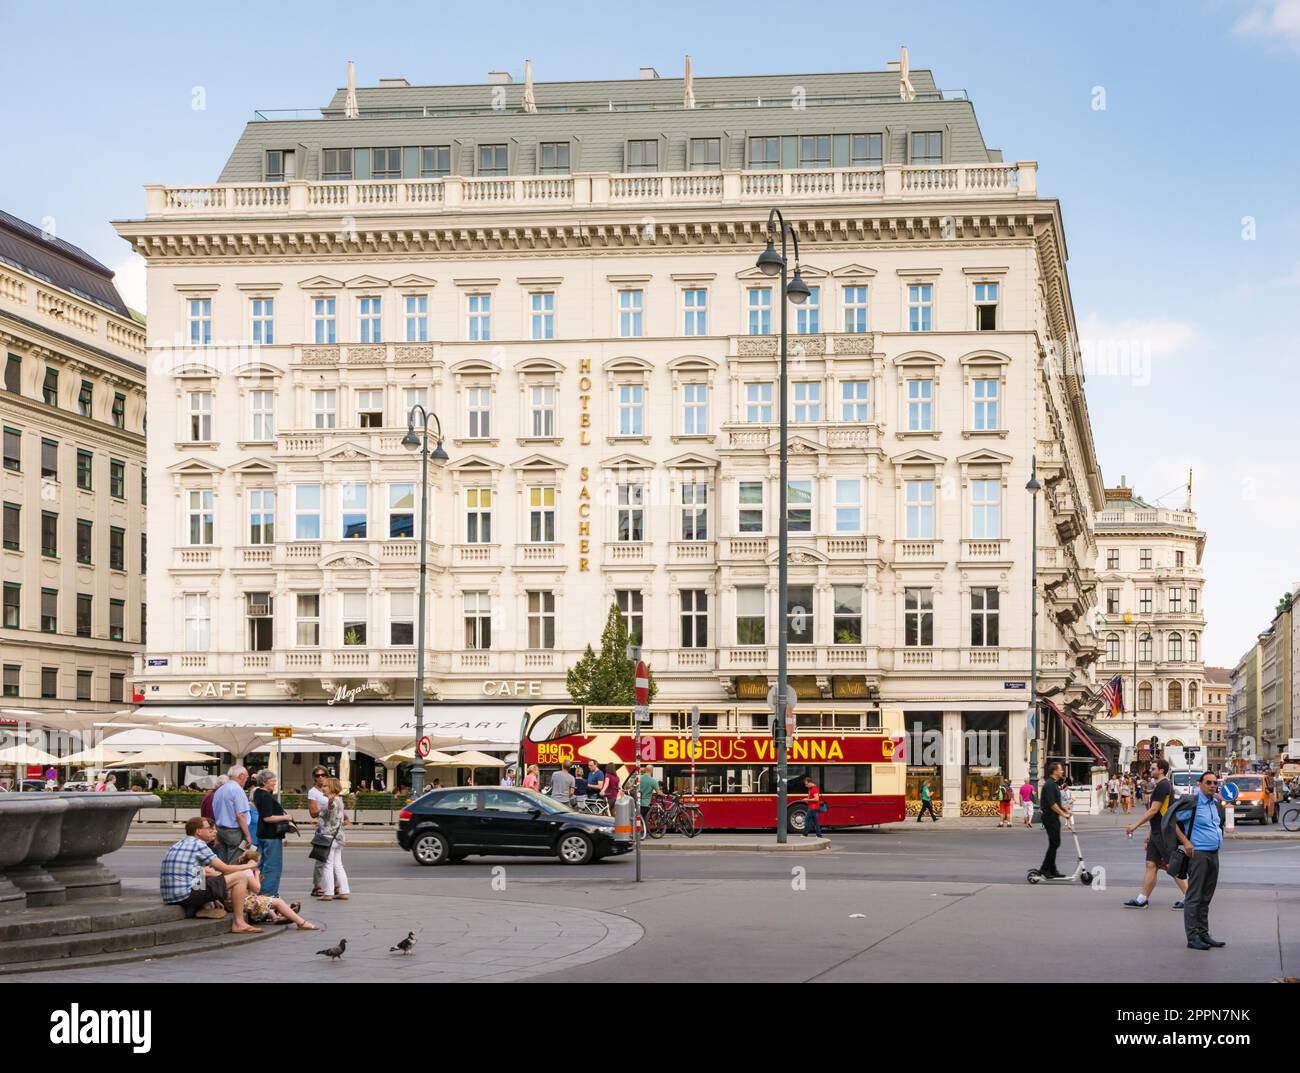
1134 903
1176 905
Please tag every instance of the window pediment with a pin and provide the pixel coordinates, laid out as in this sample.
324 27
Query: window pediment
473 462
627 364
195 371
854 271
349 560
414 280
799 445
195 467
984 357
475 367
692 361
627 461
348 452
537 463
985 457
254 370
918 359
691 460
918 458
254 466
538 365
320 283
360 282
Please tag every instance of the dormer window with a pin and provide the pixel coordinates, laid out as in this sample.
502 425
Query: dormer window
865 150
764 153
280 165
706 153
927 147
386 163
493 160
815 151
643 155
435 161
553 158
336 165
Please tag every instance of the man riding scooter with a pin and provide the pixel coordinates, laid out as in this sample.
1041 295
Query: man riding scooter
1053 810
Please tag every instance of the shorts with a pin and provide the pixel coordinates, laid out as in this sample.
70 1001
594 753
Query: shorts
1154 853
214 890
1004 809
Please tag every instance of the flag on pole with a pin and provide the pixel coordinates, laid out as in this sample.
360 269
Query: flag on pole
1113 691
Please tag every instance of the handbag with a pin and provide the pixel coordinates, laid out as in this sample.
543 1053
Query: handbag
321 843
1178 863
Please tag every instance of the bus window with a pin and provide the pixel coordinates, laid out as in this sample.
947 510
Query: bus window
847 779
873 719
557 724
848 720
612 719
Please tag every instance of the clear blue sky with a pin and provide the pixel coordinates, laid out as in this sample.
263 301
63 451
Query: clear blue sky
1197 133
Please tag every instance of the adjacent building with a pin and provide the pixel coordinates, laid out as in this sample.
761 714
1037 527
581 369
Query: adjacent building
73 413
1151 621
1244 709
564 274
1216 695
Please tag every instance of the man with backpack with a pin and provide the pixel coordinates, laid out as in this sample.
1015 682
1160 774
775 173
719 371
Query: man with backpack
1196 821
1162 796
1003 797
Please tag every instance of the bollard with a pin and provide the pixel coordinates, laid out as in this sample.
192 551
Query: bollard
623 822
1229 818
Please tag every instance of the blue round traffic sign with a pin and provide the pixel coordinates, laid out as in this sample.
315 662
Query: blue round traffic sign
1229 791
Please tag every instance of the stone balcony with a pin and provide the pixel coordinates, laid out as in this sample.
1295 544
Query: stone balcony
800 659
764 548
834 436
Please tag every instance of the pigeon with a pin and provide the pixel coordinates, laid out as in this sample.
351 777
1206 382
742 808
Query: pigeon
406 945
334 952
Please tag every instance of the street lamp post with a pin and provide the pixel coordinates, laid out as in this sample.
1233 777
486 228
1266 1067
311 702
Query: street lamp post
771 263
1137 640
420 440
1033 488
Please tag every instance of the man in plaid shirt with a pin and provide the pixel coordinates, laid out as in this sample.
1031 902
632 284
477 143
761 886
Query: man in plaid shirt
193 877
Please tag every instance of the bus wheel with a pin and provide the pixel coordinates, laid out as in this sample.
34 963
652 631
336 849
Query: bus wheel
797 819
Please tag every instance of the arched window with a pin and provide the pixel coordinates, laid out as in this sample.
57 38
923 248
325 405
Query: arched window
1175 647
1194 647
1175 696
1191 695
1144 696
1112 648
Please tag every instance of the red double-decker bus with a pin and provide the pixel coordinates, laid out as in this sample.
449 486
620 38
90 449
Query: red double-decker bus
854 754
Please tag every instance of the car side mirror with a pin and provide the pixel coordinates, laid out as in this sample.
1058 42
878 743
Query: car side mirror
535 813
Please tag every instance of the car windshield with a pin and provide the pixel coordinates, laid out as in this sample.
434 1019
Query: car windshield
1241 783
543 802
1182 778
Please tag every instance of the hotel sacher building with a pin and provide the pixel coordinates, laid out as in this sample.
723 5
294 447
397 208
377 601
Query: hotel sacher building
564 273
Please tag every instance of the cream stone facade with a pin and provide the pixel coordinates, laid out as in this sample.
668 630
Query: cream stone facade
602 355
72 407
1151 621
1218 691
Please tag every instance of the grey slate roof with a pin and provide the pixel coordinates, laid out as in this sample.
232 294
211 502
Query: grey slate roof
62 263
579 112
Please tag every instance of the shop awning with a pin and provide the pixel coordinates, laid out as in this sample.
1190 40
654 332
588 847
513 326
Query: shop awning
1075 727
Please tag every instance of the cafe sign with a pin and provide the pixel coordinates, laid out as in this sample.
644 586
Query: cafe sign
221 690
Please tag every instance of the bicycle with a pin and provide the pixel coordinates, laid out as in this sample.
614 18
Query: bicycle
592 806
672 813
1291 819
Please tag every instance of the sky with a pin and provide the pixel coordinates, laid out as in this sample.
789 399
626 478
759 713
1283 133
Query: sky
1166 129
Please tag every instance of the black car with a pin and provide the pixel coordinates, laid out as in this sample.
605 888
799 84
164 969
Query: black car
451 823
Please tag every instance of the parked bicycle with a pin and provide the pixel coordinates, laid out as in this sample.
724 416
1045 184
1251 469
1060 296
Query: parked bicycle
671 813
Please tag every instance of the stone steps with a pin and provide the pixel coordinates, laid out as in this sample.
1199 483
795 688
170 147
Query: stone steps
175 949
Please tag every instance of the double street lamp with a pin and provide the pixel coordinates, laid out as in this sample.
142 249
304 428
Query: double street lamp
771 263
417 437
1035 716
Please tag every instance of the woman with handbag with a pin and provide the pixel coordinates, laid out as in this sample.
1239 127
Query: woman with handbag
333 877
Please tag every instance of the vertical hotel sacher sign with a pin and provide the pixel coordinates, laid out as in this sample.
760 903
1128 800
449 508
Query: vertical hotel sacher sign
584 473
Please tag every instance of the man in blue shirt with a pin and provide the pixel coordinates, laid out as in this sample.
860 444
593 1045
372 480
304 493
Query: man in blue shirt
1201 841
230 809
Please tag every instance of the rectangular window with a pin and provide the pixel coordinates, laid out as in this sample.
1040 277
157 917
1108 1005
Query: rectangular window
307 619
386 163
49 610
541 514
927 147
631 513
13 599
984 617
200 416
1144 558
401 618
13 450
306 512
759 303
84 681
856 310
119 410
695 311
541 314
116 687
478 515
201 505
632 605
555 158
758 404
1112 649
986 509
200 321
695 512
478 620
985 393
49 534
478 407
336 165
414 396
541 620
324 320
275 165
116 620
85 614
631 307
706 153
986 307
354 510
356 617
848 505
49 683
855 396
919 503
920 406
324 407
815 151
370 408
808 317
695 618
117 478
750 519
1112 601
631 410
261 516
257 608
764 153
262 407
918 618
807 401
695 409
751 615
1176 601
1144 601
1112 558
1179 558
799 615
86 398
848 614
262 316
13 527
480 317
85 541
50 388
49 460
643 155
370 319
799 506
1193 600
435 161
541 404
416 317
14 374
493 160
401 511
85 470
920 307
865 150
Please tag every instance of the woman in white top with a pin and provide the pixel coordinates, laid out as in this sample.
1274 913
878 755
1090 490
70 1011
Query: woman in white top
334 880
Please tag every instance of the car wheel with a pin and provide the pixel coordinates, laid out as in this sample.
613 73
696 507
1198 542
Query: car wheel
575 848
797 820
431 848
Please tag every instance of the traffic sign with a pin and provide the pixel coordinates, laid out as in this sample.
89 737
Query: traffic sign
423 747
1229 790
791 700
695 724
282 732
642 713
642 684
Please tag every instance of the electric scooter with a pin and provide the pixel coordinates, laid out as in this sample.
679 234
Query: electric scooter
1081 874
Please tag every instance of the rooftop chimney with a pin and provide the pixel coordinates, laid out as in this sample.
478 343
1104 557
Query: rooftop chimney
498 78
649 72
394 82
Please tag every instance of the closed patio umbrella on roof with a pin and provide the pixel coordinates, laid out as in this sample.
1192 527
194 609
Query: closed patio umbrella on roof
472 759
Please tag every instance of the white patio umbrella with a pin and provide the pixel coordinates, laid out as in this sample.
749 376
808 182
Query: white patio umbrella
406 756
473 759
168 754
238 741
100 758
22 755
